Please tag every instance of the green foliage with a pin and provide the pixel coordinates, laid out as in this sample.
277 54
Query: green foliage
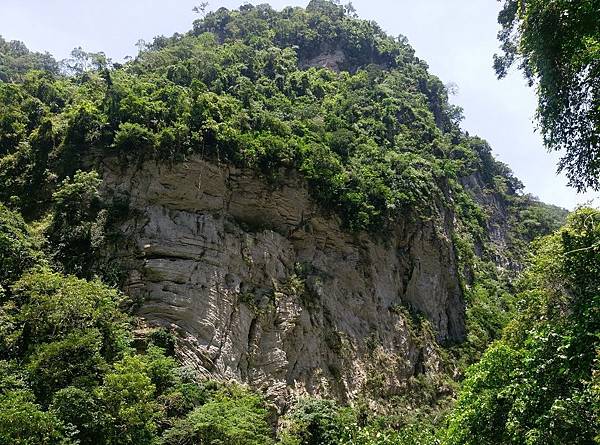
163 339
535 385
557 45
68 374
489 308
234 416
19 250
75 360
485 395
49 307
81 409
76 230
23 422
322 422
16 60
72 373
537 219
131 137
314 422
127 397
417 434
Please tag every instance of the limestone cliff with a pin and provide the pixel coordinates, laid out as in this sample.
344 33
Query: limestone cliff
262 286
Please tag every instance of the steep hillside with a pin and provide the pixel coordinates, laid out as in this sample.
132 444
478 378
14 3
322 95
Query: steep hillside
287 195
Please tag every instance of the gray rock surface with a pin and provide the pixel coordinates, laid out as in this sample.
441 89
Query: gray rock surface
262 286
332 60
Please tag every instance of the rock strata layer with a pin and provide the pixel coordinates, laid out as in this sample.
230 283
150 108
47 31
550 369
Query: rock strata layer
262 286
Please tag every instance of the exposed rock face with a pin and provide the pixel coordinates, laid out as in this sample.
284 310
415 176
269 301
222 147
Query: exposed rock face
497 223
332 60
263 287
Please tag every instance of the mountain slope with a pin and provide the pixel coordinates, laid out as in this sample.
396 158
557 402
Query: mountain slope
288 194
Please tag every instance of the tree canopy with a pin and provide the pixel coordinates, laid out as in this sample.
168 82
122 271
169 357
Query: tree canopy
539 385
557 46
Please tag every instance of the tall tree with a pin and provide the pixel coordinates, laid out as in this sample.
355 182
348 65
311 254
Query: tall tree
557 45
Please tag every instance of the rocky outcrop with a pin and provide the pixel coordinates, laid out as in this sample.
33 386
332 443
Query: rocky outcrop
332 60
261 285
497 221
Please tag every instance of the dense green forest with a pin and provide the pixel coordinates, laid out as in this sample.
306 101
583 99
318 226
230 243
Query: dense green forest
376 140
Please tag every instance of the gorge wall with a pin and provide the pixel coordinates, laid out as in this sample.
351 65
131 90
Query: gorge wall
262 286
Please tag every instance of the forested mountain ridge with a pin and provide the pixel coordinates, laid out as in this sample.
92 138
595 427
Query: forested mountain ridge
288 200
16 60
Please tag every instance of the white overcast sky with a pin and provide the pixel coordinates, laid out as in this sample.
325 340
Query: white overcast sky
457 38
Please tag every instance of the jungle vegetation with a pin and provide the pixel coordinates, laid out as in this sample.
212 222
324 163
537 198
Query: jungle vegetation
376 140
